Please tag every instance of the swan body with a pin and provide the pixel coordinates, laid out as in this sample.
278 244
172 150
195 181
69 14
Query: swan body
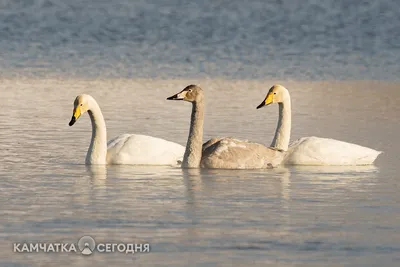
325 151
220 153
130 149
228 153
147 150
312 150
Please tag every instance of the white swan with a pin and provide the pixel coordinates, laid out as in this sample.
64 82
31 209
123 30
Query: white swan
312 150
220 153
124 149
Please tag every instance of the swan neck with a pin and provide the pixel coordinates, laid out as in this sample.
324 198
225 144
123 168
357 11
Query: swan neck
97 151
282 134
193 152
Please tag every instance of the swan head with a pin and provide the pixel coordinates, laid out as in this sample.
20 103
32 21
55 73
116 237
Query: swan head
81 105
276 94
191 93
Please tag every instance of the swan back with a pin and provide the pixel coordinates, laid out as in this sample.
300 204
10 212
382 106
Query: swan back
231 153
325 151
139 149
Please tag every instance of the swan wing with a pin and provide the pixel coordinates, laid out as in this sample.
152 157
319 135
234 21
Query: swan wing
211 142
230 153
325 151
138 149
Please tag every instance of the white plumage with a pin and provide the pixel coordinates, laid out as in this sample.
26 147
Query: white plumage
312 150
131 149
325 151
143 150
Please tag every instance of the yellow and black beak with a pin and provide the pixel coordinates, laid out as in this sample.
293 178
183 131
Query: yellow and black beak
178 96
75 116
268 100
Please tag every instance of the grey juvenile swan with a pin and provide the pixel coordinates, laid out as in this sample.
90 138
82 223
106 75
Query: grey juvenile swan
220 153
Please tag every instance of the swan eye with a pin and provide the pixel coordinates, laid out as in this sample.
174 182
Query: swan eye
274 93
81 105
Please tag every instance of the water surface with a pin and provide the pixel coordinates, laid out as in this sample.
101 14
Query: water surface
289 216
284 39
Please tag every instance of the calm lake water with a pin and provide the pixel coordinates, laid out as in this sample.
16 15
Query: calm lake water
295 216
281 39
132 55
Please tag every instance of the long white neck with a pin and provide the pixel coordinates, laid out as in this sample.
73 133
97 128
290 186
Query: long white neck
193 152
97 152
282 134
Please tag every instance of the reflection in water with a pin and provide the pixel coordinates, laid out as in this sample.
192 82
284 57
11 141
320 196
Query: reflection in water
286 199
283 175
336 169
284 192
354 177
98 174
192 179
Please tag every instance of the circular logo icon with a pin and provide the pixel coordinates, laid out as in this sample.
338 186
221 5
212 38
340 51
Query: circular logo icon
86 245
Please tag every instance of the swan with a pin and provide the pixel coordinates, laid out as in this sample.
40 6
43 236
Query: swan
131 149
220 153
312 150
